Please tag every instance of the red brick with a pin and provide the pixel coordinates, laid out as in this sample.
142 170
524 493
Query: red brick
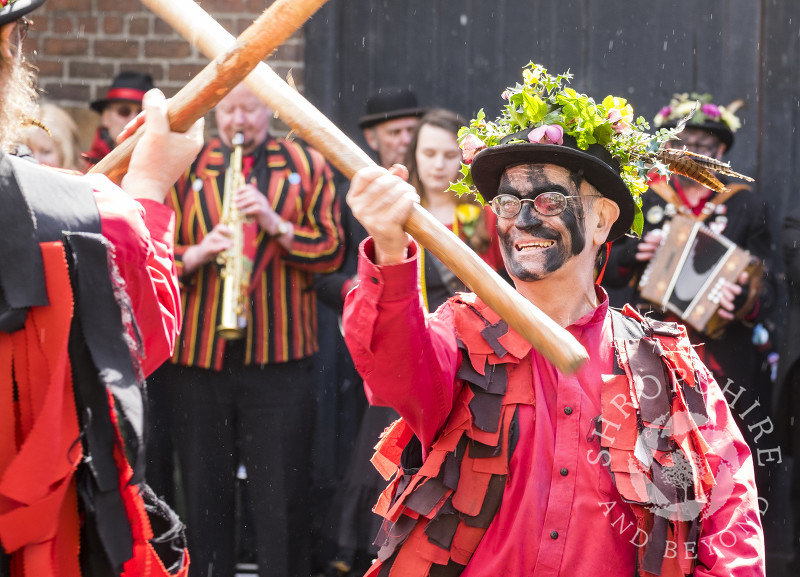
72 5
184 72
113 25
161 28
88 25
167 49
63 25
67 91
257 6
90 70
229 6
50 67
139 26
117 6
65 46
116 48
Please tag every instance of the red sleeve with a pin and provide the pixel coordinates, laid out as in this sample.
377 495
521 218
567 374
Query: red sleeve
408 358
731 537
142 234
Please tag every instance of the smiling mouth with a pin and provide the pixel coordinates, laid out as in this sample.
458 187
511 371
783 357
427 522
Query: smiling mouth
536 245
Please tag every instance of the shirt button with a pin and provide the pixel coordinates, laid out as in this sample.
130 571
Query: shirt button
563 472
567 410
554 534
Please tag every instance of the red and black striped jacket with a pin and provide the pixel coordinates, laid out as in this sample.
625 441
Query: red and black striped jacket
282 318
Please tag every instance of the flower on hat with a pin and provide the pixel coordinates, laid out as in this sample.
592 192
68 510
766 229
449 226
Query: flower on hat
551 109
4 3
470 146
547 134
682 105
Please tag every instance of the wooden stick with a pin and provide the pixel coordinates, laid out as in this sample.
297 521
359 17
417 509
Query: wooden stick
228 68
552 340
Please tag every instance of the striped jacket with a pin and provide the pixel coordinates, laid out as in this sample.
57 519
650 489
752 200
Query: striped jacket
282 318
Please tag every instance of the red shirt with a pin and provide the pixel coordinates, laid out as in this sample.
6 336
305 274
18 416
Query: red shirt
561 514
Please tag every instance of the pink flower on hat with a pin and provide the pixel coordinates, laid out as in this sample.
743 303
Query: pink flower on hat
547 134
470 146
711 110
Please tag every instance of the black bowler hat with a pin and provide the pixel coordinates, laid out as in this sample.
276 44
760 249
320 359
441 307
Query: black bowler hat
595 164
390 103
127 86
13 9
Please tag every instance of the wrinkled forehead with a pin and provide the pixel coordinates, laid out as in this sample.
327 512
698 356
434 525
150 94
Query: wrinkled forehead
529 179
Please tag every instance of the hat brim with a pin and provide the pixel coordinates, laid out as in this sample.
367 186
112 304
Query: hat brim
369 120
489 164
99 105
18 9
719 130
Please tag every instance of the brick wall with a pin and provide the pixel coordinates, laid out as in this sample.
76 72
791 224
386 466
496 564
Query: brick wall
80 45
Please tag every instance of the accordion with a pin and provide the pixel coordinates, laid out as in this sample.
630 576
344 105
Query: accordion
687 271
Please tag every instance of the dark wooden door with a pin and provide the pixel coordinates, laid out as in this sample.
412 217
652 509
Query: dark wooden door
461 54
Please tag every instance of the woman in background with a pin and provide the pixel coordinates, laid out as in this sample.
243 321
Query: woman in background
60 147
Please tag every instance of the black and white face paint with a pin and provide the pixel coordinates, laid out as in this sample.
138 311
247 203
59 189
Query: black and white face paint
534 246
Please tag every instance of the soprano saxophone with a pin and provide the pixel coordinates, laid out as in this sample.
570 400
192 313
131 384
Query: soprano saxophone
234 274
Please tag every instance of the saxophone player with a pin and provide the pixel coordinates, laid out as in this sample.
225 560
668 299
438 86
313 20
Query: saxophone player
250 400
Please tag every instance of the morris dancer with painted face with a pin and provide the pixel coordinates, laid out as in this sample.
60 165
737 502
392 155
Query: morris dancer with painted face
89 306
631 466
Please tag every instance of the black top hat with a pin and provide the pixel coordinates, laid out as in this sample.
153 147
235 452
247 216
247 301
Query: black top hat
128 86
15 9
390 103
595 164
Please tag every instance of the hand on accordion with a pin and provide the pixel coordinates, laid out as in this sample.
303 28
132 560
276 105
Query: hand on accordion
649 244
733 296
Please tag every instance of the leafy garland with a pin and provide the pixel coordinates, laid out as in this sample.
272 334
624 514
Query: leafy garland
544 102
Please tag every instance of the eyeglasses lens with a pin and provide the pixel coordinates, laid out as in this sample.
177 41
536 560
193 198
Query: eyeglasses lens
546 203
550 203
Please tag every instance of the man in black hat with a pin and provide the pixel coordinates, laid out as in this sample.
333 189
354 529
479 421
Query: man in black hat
122 102
738 214
89 305
391 115
630 466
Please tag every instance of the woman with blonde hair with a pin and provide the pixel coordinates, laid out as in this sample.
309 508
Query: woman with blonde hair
55 142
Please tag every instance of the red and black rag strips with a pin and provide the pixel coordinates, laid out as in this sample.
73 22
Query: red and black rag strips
437 511
72 498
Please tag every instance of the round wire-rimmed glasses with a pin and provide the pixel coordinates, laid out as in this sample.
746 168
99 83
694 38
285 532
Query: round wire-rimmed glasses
547 203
